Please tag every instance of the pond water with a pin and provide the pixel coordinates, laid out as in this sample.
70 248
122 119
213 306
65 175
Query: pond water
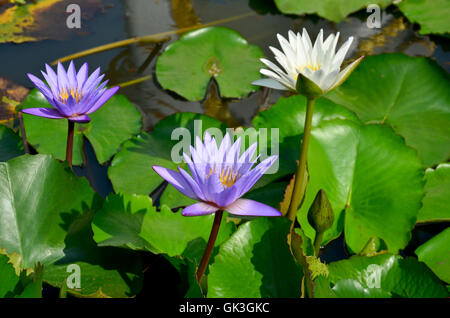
114 20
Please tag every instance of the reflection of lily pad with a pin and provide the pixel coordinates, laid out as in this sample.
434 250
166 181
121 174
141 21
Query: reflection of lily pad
334 10
114 123
188 64
431 15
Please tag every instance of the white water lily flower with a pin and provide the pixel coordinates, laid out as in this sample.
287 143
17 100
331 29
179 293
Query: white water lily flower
319 63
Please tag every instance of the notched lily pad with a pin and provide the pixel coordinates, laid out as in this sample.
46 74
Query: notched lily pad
431 15
334 10
188 64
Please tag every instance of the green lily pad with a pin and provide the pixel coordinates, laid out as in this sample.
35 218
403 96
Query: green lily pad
187 65
436 254
42 221
10 144
131 169
436 203
8 275
410 94
132 221
115 122
35 200
104 271
384 275
431 15
256 262
348 160
334 10
373 181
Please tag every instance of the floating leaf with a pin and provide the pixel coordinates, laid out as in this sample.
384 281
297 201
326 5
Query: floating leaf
104 271
384 275
188 64
35 201
436 254
115 122
132 221
368 173
431 15
410 94
436 203
8 276
349 161
256 262
10 144
334 10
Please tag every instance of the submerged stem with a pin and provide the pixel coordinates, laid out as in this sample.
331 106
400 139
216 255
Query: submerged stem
210 246
300 180
69 148
23 133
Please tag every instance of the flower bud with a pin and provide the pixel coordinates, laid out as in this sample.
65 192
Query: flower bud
320 214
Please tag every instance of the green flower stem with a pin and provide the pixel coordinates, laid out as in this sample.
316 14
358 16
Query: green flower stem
69 148
317 242
300 180
210 246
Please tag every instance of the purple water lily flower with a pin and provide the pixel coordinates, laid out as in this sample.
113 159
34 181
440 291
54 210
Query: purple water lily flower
73 95
220 177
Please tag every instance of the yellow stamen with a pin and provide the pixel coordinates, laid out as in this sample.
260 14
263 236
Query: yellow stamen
228 177
74 92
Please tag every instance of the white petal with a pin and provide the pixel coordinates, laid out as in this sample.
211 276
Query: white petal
345 73
340 55
271 83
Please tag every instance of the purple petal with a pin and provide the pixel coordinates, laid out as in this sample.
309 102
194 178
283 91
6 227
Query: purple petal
106 95
62 108
43 112
82 75
251 208
63 81
91 79
175 179
72 75
200 208
192 184
51 77
41 86
80 119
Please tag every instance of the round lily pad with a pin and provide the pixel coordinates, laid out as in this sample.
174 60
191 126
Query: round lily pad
410 94
187 65
114 123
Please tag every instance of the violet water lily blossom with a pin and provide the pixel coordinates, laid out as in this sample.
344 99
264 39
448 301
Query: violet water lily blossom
319 62
220 177
73 94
